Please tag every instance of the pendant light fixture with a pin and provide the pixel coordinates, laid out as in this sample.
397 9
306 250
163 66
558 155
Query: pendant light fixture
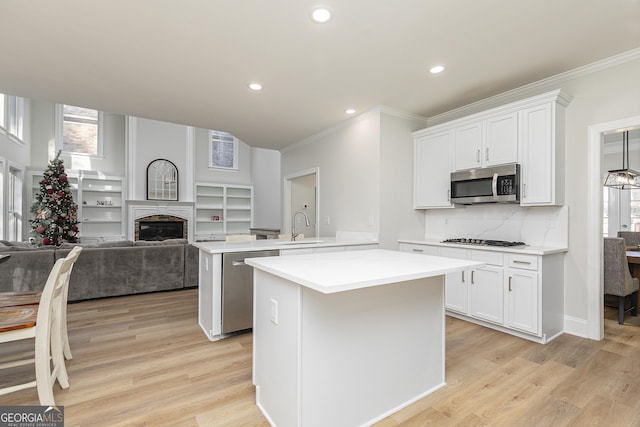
625 178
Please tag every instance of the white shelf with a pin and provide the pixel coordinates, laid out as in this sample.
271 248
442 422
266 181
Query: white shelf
232 203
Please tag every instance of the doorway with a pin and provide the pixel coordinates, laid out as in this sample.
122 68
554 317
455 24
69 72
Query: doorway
595 214
301 194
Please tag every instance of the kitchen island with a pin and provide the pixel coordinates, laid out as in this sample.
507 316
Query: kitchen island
347 338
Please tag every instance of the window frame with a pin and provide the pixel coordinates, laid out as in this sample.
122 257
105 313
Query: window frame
60 137
212 141
12 115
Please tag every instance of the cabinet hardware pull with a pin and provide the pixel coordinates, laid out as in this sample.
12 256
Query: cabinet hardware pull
417 250
510 283
524 191
239 262
472 282
462 276
486 154
478 156
515 261
449 195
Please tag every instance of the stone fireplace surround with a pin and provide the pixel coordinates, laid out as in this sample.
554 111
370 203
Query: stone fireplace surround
154 210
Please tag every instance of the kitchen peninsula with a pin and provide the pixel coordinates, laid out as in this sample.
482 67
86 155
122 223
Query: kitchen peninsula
222 264
347 338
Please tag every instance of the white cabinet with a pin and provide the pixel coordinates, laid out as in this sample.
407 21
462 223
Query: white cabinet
521 294
529 132
489 142
468 146
542 154
523 302
432 166
487 294
222 209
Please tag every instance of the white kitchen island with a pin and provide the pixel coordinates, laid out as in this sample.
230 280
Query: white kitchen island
347 338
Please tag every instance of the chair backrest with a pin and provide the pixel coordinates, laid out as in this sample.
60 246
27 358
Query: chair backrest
53 296
617 278
631 238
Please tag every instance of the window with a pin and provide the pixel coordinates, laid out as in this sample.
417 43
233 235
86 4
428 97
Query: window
79 130
14 205
223 150
12 115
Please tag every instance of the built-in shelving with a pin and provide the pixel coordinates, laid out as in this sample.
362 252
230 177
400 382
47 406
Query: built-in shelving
222 209
100 203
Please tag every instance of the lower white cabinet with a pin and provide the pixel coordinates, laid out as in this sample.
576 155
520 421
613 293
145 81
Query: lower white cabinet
521 294
486 294
523 302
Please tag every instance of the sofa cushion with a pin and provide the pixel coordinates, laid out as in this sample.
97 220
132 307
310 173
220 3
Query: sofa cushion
26 269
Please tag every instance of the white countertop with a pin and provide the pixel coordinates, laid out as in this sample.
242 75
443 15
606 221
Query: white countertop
343 271
529 250
269 244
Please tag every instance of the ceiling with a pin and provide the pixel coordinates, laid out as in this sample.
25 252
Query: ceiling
190 61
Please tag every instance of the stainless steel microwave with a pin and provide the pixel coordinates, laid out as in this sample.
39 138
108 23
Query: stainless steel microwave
497 184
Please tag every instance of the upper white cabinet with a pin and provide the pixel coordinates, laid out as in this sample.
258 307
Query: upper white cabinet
432 166
489 142
542 153
529 132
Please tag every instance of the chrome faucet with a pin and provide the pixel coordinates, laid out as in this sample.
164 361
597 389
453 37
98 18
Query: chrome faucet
293 224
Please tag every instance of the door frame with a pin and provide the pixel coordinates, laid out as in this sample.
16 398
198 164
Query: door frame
286 209
595 283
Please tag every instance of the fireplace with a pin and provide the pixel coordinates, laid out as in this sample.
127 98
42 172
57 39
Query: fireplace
161 227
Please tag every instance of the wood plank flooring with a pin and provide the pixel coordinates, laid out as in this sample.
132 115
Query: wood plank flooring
143 361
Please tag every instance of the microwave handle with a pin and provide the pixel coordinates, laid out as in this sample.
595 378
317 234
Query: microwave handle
494 185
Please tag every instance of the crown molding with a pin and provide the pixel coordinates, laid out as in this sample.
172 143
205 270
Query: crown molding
544 84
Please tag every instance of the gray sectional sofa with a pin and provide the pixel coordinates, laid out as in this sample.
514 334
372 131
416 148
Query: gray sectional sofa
104 269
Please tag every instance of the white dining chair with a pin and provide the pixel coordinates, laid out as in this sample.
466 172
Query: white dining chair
42 322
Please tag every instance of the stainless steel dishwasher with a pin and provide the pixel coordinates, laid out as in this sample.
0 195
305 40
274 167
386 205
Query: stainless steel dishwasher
237 290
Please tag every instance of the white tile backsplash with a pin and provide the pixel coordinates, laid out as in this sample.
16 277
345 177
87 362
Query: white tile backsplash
536 226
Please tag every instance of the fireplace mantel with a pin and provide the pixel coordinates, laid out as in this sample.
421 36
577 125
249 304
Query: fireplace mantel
137 209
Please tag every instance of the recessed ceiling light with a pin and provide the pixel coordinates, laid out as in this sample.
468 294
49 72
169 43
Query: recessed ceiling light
321 15
437 69
255 86
350 111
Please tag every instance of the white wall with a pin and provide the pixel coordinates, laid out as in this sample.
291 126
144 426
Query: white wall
43 145
205 174
267 188
348 158
398 219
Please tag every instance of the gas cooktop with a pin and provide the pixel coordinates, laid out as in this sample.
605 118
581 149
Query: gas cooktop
484 242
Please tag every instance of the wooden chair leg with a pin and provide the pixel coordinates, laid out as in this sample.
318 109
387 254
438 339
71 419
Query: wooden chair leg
634 301
621 310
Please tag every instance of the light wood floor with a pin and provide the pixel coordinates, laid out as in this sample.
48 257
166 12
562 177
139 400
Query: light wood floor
143 361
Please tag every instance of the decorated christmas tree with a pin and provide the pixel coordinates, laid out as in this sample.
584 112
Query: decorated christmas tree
56 215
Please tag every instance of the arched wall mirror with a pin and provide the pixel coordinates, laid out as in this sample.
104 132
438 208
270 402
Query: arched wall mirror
162 180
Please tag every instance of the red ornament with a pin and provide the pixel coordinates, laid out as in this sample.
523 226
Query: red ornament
74 228
60 193
45 241
62 177
40 229
50 191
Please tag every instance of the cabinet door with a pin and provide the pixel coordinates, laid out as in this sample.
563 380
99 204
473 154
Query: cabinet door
487 294
456 291
468 146
523 301
501 140
432 169
538 168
